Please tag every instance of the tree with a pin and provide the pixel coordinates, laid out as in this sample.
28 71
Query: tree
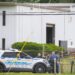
6 0
2 0
41 1
65 1
73 1
54 1
44 1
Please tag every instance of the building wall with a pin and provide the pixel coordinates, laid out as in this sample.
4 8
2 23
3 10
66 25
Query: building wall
32 28
69 30
8 31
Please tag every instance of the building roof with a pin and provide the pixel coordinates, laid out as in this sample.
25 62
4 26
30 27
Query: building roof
64 7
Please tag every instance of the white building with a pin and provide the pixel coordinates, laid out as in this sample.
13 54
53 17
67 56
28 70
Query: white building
24 22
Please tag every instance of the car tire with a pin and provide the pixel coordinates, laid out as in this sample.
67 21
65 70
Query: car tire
39 68
1 68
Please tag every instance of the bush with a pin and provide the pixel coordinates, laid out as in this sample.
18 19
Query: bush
34 48
27 46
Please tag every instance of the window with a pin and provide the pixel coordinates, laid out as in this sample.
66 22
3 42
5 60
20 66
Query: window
9 55
3 44
4 17
22 55
63 44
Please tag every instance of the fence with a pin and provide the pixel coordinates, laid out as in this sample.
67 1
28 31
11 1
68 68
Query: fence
68 66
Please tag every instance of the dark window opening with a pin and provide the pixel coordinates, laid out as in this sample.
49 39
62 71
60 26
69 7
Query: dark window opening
9 55
16 55
50 34
63 44
4 17
3 44
23 55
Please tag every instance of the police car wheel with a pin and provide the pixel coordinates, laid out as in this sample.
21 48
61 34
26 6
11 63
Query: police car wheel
40 68
1 68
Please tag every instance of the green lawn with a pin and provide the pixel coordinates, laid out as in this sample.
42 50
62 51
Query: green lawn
29 73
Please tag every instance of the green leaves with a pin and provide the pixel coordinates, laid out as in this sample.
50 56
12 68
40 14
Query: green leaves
33 48
36 46
44 1
41 1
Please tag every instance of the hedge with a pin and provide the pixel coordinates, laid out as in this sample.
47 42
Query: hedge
36 46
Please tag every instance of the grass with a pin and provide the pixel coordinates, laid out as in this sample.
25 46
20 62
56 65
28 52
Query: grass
30 73
66 65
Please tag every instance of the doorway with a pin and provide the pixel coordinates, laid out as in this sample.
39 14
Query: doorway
50 33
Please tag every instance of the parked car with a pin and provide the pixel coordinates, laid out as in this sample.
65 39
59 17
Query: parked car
14 60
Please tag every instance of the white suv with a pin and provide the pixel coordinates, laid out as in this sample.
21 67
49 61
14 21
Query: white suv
14 60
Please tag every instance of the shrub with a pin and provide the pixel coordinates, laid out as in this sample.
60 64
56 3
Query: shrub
34 48
27 46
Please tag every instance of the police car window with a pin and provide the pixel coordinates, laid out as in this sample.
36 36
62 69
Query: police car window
23 55
10 54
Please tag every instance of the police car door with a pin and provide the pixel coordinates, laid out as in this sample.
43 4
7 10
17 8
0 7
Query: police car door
9 59
24 61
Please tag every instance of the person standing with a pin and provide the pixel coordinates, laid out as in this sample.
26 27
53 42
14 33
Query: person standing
52 57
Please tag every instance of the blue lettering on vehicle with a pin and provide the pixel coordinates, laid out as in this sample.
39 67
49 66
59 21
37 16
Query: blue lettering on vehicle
17 63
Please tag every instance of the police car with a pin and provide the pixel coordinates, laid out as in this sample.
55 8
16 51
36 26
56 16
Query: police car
14 60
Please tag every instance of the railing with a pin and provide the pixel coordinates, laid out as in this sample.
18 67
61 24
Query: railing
67 65
67 68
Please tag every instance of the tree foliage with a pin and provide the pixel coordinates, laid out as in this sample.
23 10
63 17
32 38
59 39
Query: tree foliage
41 1
6 0
36 46
44 1
33 48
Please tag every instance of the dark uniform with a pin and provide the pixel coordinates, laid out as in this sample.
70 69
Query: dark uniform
52 57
